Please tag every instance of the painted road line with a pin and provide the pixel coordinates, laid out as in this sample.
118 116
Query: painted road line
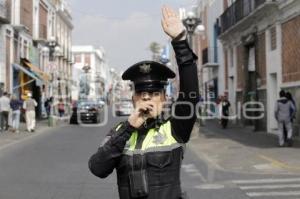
277 186
279 164
192 170
210 186
263 181
286 193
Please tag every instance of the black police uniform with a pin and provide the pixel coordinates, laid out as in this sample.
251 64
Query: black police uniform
148 159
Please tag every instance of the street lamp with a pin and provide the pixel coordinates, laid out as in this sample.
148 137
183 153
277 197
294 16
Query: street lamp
193 25
53 50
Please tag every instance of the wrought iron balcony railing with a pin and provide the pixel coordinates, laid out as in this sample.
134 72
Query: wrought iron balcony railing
239 10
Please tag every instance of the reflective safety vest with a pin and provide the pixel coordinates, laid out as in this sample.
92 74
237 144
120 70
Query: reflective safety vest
158 159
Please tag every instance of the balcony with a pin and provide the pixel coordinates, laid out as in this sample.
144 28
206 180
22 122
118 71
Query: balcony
210 57
4 11
244 9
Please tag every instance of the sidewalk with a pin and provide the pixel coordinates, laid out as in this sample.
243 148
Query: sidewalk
239 149
8 137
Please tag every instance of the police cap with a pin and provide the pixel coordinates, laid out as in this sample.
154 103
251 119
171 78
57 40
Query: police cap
148 76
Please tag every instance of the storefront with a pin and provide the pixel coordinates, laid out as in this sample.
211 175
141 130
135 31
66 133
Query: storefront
29 78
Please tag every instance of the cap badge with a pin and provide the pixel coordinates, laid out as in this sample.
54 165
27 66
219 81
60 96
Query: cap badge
145 68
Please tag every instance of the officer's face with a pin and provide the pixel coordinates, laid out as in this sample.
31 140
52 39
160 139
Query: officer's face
156 99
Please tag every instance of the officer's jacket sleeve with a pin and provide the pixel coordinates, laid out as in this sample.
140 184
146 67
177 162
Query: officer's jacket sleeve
188 92
103 162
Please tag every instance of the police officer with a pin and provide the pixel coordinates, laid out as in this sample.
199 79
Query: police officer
146 150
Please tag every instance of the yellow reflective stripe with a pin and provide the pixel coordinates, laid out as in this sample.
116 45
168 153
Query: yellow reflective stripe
150 140
132 141
166 129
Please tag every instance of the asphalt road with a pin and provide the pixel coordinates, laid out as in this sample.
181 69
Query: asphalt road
54 165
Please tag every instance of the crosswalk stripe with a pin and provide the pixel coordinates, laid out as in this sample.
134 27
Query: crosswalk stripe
287 193
262 181
277 186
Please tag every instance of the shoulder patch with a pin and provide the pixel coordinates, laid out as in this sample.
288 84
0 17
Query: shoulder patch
118 126
114 129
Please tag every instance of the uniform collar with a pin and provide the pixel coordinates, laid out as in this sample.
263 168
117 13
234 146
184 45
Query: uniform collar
152 123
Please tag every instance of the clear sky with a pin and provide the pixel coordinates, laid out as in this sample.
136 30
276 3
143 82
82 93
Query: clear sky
125 28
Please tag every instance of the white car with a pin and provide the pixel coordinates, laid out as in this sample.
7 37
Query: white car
123 107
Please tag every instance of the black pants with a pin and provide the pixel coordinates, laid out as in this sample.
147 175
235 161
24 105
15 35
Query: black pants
4 120
61 112
224 122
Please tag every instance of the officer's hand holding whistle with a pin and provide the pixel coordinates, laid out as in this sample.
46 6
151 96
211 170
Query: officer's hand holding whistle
140 114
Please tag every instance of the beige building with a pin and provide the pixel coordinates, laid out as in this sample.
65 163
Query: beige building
90 67
61 67
26 28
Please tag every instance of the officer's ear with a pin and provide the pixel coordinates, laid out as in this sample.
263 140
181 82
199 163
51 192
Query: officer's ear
133 99
164 96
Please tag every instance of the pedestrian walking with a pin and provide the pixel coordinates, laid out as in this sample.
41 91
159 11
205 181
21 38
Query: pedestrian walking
293 115
29 106
218 108
4 111
15 105
48 105
9 113
284 109
147 150
291 99
61 108
225 105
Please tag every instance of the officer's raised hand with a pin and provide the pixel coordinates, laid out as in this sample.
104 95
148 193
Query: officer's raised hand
171 23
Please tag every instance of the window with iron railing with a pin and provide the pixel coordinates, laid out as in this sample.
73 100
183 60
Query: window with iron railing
43 31
210 55
273 38
26 13
43 15
3 10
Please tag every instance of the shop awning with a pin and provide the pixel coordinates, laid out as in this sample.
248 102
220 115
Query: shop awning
31 74
45 77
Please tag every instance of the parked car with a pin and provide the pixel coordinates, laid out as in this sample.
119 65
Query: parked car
123 107
90 111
